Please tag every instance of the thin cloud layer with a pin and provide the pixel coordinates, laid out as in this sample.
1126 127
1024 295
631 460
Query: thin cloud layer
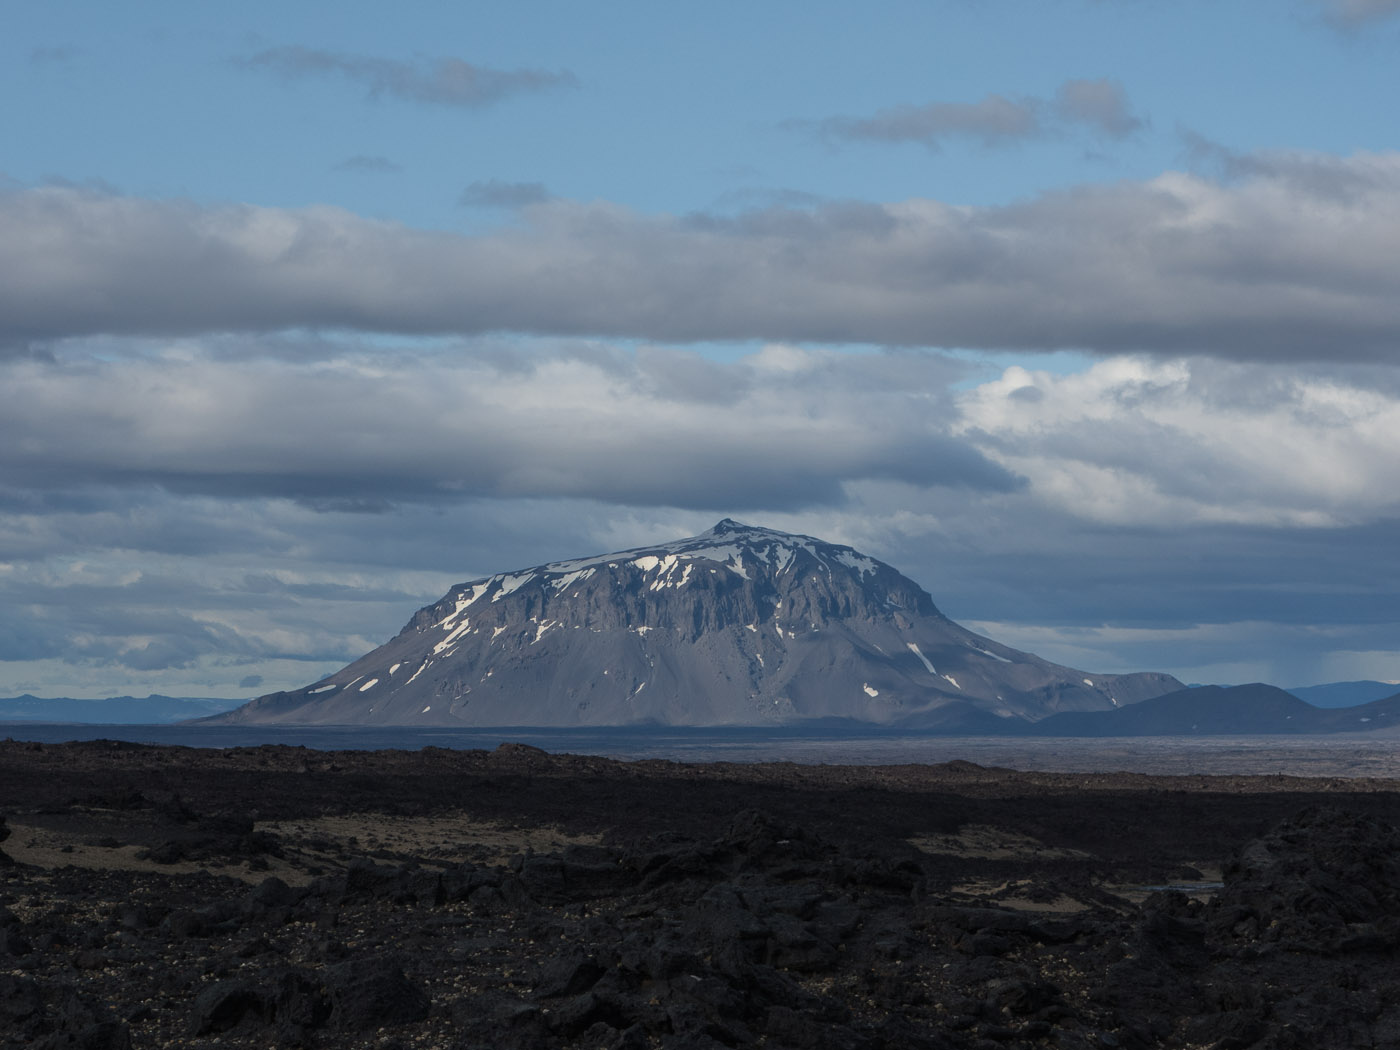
368 165
493 193
1290 260
994 120
1355 13
437 81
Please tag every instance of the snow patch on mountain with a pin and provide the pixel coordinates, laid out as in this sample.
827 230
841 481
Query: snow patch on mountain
915 650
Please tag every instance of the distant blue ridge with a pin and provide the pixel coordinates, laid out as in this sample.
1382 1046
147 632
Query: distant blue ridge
1331 694
115 710
1344 694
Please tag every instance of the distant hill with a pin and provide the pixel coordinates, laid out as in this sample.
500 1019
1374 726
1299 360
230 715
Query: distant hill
115 710
738 626
1344 694
1243 710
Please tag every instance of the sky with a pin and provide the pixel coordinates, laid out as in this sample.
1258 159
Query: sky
1084 314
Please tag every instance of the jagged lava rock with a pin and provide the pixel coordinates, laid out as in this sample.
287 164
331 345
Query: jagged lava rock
738 626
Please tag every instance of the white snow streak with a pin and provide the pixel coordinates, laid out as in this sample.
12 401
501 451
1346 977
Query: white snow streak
859 562
577 576
370 684
457 632
915 650
511 584
871 691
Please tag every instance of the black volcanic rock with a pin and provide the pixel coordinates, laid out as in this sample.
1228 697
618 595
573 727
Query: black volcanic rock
738 626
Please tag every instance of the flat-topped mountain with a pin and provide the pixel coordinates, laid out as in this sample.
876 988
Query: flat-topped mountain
738 626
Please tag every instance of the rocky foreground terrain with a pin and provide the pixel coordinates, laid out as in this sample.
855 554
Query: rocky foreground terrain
276 896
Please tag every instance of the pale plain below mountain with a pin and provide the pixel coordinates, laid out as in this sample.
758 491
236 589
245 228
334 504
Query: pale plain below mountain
738 626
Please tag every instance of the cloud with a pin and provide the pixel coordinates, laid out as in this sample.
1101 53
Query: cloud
357 433
496 194
369 165
439 81
1101 104
1136 442
1140 513
251 681
24 348
1351 14
157 611
56 56
1311 175
1291 261
994 120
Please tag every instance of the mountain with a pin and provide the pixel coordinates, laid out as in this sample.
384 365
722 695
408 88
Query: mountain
1212 710
1344 694
114 710
738 626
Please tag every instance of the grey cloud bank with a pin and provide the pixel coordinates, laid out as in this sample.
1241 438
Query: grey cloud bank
667 429
1293 260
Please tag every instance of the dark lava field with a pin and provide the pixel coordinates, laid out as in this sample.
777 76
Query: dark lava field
280 896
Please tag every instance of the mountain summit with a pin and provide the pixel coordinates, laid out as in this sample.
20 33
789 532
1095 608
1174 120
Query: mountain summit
737 626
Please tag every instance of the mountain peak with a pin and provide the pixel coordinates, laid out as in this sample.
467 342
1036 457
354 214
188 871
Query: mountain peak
732 531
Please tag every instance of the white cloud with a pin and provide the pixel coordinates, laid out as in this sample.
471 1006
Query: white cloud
1138 441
